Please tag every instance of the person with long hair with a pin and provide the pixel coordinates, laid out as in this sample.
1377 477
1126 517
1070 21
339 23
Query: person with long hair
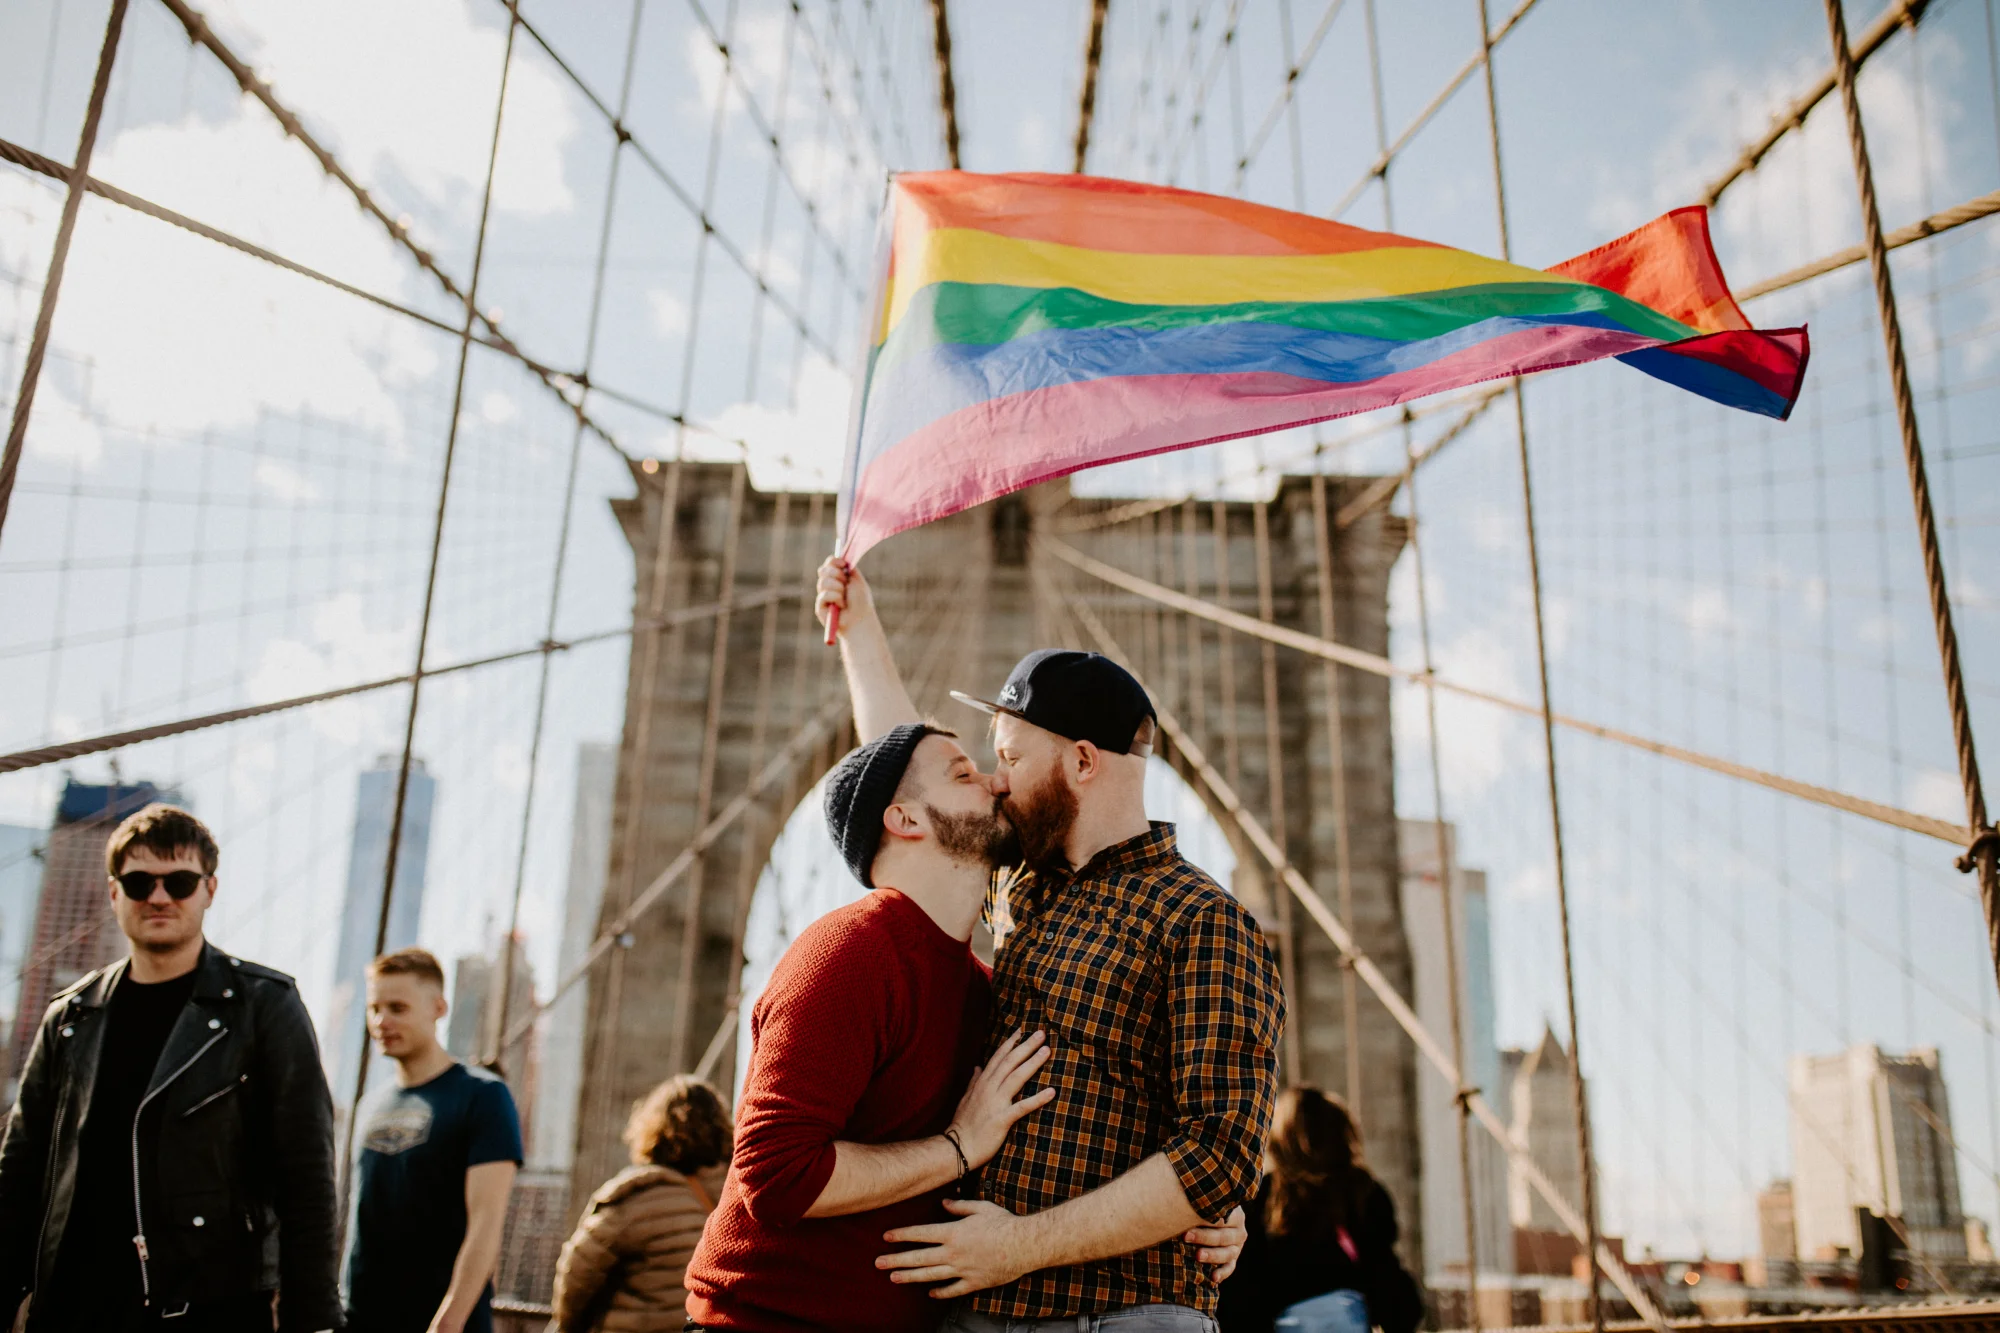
624 1269
1321 1257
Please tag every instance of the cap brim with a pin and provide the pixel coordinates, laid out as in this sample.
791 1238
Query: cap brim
986 705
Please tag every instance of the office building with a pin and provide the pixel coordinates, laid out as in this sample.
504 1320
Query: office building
344 1037
1543 1124
559 1082
1873 1130
1777 1236
472 1029
1423 924
74 930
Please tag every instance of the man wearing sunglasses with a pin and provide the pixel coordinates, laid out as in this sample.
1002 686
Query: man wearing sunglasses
169 1164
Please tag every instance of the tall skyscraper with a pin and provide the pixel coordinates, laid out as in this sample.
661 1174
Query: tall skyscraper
1873 1130
471 978
472 1032
374 807
560 1081
74 929
1544 1123
1423 925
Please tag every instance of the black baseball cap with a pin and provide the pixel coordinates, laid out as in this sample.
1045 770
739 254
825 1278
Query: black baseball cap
1077 695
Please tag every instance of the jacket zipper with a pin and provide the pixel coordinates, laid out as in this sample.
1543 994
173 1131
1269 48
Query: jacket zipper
138 1205
215 1096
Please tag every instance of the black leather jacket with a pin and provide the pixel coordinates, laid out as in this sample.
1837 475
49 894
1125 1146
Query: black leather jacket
246 1155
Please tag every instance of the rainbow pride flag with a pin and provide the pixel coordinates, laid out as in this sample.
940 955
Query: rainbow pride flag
1028 326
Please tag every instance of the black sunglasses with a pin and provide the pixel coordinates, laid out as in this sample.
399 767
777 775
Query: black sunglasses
138 884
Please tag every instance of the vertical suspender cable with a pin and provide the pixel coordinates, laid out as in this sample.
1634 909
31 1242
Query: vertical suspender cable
666 533
79 174
755 822
1985 842
1447 895
1274 749
430 584
1197 643
1578 1105
506 980
1336 741
1093 53
1226 666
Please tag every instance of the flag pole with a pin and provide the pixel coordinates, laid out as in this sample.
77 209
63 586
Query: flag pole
864 363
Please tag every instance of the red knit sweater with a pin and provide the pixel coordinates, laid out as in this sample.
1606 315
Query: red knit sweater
867 1032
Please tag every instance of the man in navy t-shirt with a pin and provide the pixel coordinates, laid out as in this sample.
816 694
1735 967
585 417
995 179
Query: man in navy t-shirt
438 1156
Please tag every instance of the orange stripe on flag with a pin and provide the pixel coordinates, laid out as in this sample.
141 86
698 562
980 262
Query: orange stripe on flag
1668 264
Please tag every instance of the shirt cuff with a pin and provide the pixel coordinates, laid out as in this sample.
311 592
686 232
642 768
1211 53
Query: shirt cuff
1209 1178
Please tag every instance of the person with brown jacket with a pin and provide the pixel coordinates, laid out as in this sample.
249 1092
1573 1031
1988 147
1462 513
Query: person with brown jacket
622 1271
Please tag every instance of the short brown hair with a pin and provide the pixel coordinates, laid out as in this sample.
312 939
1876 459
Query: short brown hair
419 963
681 1124
165 830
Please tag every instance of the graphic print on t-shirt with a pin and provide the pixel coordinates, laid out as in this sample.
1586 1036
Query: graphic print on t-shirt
399 1127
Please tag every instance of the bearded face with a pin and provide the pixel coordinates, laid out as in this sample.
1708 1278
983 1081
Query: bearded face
981 838
1042 818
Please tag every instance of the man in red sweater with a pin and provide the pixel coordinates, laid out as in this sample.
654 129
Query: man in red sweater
861 1046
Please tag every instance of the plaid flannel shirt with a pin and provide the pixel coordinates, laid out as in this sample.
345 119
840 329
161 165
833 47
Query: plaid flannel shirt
1163 1007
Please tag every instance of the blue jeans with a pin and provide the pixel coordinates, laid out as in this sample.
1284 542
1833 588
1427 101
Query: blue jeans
1132 1319
1335 1312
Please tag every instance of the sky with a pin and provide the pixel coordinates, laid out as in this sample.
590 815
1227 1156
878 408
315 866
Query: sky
230 480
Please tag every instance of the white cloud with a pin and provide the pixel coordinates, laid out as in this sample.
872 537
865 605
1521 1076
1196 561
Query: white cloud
1777 216
1708 613
1878 630
788 448
183 335
62 431
669 311
288 484
497 408
364 71
341 648
1936 793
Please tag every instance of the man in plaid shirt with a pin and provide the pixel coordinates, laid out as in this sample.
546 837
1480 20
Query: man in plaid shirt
1159 995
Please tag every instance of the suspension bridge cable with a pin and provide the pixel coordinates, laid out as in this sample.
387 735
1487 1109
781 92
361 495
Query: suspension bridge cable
1984 851
1382 666
45 313
1285 101
592 327
1972 210
1490 39
1899 14
1093 55
947 87
397 812
616 932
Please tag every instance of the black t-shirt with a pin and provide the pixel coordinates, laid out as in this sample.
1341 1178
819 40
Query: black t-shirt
409 1219
97 1267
